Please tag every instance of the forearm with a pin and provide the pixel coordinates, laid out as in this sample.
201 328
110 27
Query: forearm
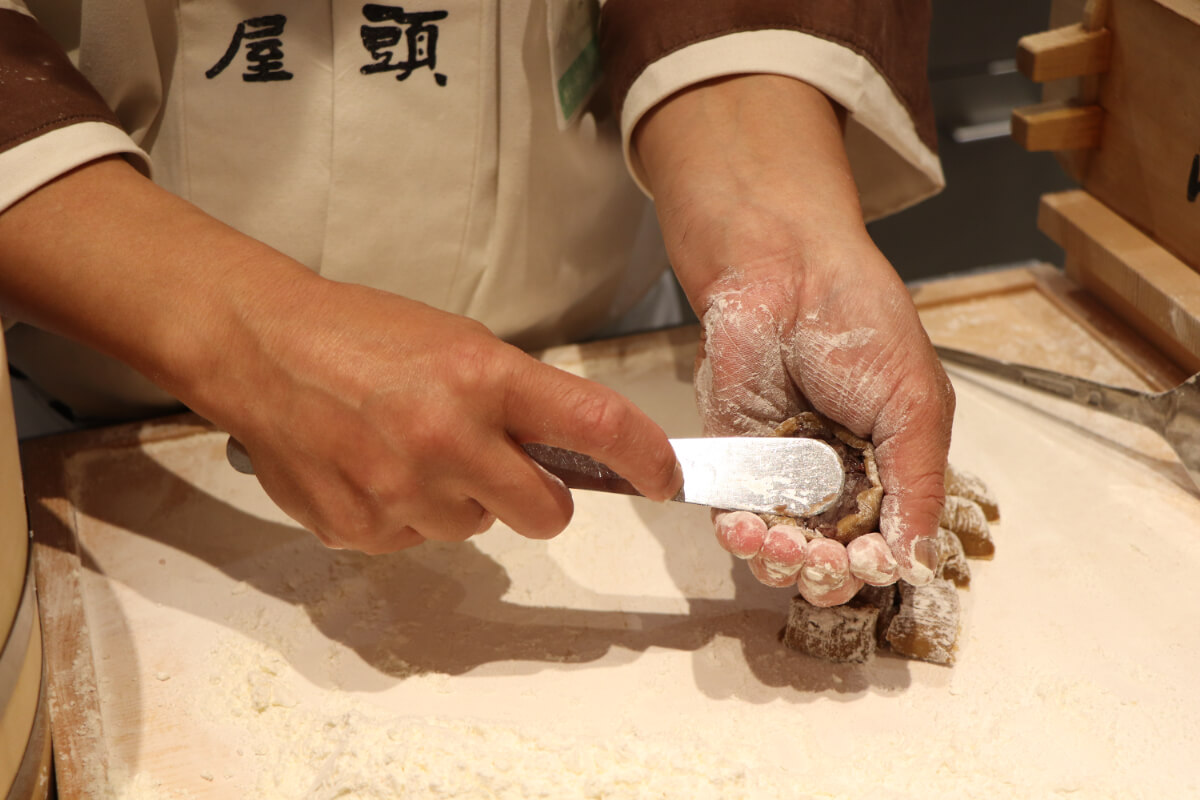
104 256
751 156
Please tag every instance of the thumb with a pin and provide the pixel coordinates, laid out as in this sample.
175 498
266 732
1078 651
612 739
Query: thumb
742 386
548 405
911 448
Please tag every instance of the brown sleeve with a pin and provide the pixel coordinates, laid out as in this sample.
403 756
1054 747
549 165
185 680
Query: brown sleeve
40 90
893 35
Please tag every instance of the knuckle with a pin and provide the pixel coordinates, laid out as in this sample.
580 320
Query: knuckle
474 366
427 437
603 415
548 522
383 487
949 398
455 521
434 444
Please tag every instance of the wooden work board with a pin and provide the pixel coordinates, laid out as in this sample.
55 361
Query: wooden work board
200 645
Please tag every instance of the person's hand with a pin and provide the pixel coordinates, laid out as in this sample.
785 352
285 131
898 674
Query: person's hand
387 422
762 224
374 421
843 339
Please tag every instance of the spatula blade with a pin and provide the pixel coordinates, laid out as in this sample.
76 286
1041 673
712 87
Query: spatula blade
787 476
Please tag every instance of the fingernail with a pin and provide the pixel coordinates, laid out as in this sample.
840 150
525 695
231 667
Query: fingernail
676 481
925 561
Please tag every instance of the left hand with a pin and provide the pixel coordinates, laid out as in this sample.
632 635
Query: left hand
762 223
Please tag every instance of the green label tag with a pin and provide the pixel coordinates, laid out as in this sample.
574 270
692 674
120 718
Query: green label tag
576 85
574 55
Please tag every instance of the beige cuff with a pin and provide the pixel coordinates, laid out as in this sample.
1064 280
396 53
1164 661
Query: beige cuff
34 163
892 166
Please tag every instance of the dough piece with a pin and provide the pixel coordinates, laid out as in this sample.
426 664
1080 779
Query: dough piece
916 622
952 561
843 634
967 520
926 626
856 511
963 484
886 600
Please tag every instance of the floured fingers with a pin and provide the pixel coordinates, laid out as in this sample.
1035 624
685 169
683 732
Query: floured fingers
740 532
872 561
781 556
825 578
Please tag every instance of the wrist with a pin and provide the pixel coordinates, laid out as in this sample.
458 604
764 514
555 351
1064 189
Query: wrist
748 173
747 133
247 302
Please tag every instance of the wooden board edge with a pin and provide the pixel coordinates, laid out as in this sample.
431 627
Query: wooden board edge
75 717
75 721
1144 284
955 289
1125 344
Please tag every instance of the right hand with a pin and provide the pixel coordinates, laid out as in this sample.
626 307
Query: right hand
378 422
374 421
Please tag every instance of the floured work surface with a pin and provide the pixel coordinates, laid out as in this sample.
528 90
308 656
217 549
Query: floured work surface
212 649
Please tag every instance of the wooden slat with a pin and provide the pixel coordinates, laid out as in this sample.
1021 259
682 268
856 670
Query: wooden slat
1066 52
1095 13
1057 126
1147 286
74 700
1152 121
14 532
81 770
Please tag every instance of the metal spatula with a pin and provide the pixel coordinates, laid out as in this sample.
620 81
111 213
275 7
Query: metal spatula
786 476
1173 414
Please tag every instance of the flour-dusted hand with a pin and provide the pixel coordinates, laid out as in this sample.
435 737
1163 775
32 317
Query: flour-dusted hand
799 310
853 350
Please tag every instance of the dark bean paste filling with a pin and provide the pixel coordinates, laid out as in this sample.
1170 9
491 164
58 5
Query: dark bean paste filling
857 481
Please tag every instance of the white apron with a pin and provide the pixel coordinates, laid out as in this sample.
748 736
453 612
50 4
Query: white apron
413 148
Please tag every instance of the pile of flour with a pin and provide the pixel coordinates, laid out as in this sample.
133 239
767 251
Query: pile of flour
341 747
